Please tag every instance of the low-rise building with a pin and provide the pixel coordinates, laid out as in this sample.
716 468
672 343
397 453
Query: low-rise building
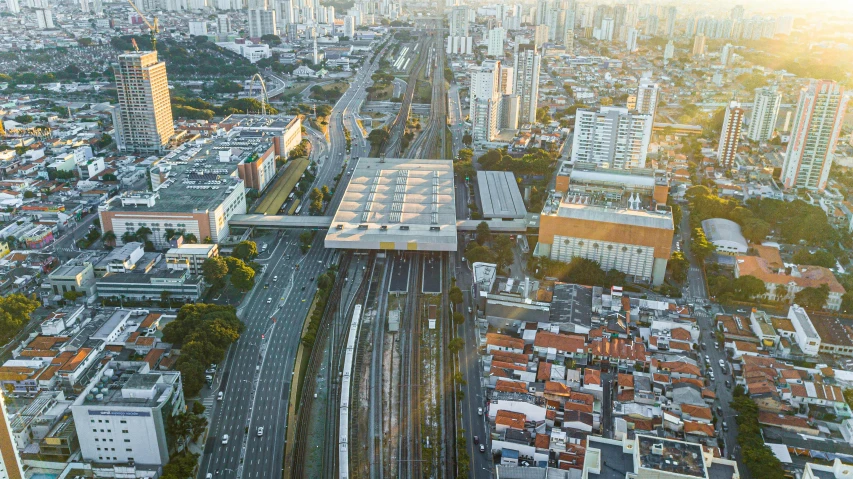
725 235
190 257
783 286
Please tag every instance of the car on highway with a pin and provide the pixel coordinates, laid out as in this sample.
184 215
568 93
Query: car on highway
275 278
476 439
482 448
260 431
269 300
225 439
220 396
479 409
725 427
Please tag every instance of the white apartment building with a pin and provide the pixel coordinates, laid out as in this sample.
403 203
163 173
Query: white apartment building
143 118
262 22
631 40
497 36
611 137
526 85
648 95
485 97
765 112
198 29
730 135
460 21
820 115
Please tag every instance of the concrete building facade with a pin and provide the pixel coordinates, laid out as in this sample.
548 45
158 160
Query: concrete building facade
143 117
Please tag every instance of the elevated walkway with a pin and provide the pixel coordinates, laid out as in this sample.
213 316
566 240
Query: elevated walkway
324 222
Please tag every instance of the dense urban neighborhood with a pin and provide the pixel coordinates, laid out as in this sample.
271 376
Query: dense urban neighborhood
555 239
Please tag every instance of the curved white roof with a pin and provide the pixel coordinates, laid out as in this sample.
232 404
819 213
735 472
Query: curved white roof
724 231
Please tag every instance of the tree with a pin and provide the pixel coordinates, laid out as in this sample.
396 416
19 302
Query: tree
143 232
327 194
190 238
166 297
678 266
214 270
458 318
812 298
503 251
847 302
455 345
15 311
192 375
701 247
72 295
466 154
181 465
748 287
184 427
243 277
476 253
198 408
378 137
543 114
818 258
245 250
483 233
109 238
455 295
467 139
270 39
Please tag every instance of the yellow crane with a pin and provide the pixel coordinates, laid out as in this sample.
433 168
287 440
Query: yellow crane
153 30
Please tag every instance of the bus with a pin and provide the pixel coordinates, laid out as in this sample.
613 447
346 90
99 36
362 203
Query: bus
298 209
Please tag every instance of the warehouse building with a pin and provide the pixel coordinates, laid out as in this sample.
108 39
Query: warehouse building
500 197
725 235
397 204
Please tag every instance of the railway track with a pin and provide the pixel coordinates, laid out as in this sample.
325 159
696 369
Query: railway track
424 146
398 126
409 441
340 328
314 364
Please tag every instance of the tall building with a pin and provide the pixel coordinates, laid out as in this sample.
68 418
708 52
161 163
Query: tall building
223 23
496 42
284 13
569 28
526 85
14 6
737 13
669 26
460 24
668 52
611 137
648 96
485 94
726 55
143 118
730 135
820 114
698 45
349 26
262 22
10 460
765 111
631 40
540 36
44 18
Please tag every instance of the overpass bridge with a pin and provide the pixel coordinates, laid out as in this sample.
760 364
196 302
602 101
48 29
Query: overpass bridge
324 222
394 106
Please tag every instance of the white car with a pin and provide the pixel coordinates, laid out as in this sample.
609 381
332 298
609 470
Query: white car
260 431
225 439
269 300
722 363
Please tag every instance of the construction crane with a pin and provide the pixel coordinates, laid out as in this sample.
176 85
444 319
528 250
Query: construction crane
153 30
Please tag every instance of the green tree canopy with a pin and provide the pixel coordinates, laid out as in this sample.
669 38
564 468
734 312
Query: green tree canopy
483 233
812 298
245 250
214 270
15 311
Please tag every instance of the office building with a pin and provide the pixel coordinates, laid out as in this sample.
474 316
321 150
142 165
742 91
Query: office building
526 85
485 98
765 111
44 18
648 96
10 459
284 14
569 28
817 125
262 22
618 218
611 137
460 21
143 118
121 415
190 257
699 45
198 29
730 135
497 36
349 26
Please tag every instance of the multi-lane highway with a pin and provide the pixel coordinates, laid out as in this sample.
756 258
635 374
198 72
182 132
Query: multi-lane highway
255 378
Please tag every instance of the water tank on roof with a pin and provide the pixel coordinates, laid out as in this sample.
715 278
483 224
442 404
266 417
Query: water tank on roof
108 373
90 397
99 397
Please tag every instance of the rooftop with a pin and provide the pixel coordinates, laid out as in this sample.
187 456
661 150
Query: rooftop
395 203
499 195
572 303
670 456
